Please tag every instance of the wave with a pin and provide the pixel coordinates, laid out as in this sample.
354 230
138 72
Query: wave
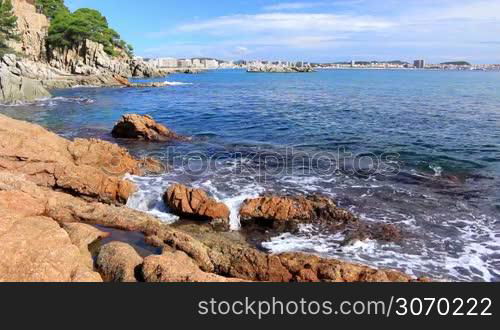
51 101
176 83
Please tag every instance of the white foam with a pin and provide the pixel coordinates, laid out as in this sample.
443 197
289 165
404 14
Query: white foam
175 83
234 204
149 197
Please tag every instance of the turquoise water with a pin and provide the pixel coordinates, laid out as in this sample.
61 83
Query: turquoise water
420 149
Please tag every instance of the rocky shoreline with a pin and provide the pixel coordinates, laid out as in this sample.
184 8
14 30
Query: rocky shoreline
33 69
54 192
279 69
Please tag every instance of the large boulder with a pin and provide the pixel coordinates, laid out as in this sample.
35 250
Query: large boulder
175 267
195 203
36 249
143 128
88 168
118 262
286 212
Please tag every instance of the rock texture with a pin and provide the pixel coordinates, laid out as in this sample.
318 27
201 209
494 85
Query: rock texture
50 187
16 87
28 77
89 168
145 128
33 28
212 252
195 203
176 267
118 262
36 249
286 212
82 236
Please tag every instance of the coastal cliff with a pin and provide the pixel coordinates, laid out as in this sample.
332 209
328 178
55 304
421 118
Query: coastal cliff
37 66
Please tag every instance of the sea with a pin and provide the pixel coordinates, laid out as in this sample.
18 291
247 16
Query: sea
419 149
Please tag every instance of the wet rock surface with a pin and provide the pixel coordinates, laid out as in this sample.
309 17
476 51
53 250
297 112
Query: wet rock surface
51 189
195 203
140 127
119 262
286 213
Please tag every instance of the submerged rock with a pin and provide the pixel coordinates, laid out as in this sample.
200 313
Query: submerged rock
285 213
143 128
387 233
118 262
195 203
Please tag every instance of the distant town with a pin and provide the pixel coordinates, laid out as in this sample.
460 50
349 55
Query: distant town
212 64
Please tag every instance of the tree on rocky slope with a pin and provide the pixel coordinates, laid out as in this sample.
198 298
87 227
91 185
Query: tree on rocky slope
68 29
8 26
51 8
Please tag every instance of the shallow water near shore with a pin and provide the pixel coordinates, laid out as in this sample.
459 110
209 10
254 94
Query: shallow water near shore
418 149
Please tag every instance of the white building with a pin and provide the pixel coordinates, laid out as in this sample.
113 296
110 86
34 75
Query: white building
211 64
165 62
185 63
197 63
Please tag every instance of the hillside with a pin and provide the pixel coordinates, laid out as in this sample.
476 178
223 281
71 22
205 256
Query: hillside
64 50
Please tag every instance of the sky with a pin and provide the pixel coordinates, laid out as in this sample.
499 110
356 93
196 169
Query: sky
314 30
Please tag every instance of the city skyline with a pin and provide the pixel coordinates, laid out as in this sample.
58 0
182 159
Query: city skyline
315 31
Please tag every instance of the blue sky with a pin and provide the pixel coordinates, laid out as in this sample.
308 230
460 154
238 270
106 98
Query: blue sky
314 30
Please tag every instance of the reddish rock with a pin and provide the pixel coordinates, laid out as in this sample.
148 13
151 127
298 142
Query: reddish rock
91 169
172 267
287 212
118 262
36 249
195 203
143 128
82 236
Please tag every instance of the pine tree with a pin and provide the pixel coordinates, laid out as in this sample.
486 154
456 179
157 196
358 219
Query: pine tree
8 26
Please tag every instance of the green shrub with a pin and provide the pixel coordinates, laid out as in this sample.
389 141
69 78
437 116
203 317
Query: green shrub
51 8
68 29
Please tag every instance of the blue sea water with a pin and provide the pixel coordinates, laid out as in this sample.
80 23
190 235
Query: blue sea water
419 149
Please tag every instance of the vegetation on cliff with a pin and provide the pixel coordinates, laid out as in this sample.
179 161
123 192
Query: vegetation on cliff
51 8
68 29
8 26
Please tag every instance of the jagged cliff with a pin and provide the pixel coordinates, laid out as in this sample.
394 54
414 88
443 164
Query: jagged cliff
39 67
32 28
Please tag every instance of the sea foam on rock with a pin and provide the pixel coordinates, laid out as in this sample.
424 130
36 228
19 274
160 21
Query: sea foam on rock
195 203
47 182
286 213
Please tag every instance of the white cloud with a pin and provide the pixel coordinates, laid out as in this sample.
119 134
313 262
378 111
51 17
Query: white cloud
391 28
287 22
295 5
